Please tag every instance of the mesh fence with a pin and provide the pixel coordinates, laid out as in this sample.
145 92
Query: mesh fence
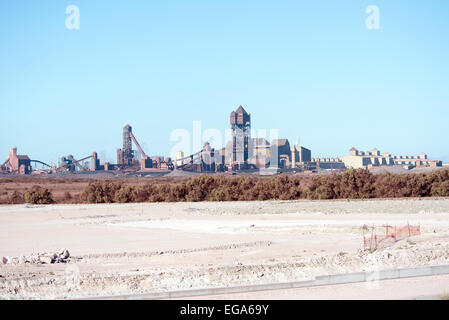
384 236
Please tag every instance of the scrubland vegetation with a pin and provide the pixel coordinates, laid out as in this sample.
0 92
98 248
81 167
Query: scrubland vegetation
352 184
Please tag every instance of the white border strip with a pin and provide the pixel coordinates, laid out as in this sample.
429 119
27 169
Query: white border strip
319 281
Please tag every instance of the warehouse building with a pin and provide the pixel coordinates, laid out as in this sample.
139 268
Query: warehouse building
364 160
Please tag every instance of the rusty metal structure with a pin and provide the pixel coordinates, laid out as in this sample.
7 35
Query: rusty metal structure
207 160
244 152
241 133
42 163
241 153
127 158
70 164
21 164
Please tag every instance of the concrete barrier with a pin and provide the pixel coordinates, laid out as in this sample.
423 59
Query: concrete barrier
389 274
319 281
415 272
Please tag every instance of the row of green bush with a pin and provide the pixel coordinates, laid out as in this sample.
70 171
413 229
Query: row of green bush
35 195
352 184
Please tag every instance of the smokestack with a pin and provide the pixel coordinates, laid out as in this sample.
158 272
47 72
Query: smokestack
13 153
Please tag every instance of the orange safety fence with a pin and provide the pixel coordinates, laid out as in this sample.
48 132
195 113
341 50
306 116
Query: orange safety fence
383 236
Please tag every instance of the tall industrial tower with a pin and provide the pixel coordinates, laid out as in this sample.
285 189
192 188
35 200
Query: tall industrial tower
125 155
241 132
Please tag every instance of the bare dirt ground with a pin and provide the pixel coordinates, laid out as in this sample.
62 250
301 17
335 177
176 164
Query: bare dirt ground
143 248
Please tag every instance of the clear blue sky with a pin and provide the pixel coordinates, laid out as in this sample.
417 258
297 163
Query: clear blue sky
308 68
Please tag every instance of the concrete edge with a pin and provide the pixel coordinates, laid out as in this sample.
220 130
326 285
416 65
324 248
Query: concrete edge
319 281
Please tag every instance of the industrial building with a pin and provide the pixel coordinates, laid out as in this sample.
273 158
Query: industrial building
329 163
243 152
241 135
359 159
132 160
21 164
15 163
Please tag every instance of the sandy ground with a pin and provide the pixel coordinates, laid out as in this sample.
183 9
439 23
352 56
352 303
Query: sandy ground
142 248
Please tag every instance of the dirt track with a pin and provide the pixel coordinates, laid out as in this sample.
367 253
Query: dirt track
140 248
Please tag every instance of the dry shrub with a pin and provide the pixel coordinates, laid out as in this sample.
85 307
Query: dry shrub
38 195
124 195
16 198
352 184
100 192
